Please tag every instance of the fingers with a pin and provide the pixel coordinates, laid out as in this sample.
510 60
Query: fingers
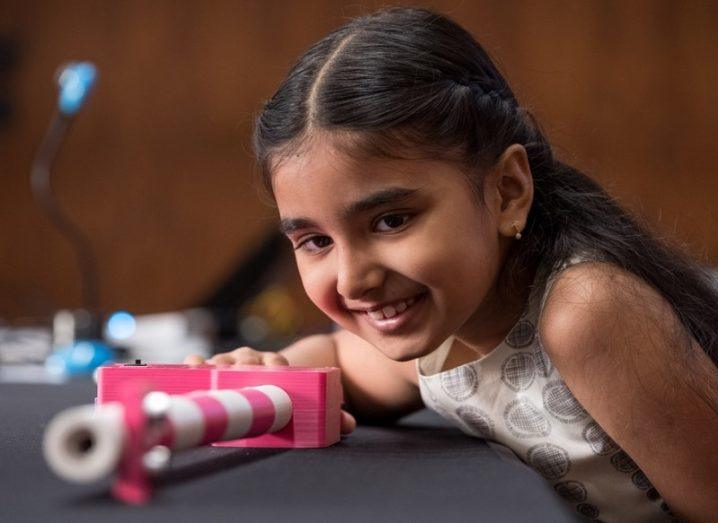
348 423
247 356
194 359
240 356
272 359
224 359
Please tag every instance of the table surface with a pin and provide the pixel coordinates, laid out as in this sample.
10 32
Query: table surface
419 470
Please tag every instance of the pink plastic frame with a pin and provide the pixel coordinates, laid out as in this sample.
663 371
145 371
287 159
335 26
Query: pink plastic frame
316 396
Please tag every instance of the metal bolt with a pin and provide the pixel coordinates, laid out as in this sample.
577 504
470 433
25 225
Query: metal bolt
156 459
156 404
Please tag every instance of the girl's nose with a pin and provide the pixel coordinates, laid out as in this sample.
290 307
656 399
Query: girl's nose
357 273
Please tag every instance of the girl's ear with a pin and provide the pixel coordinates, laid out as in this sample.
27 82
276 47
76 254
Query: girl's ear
510 190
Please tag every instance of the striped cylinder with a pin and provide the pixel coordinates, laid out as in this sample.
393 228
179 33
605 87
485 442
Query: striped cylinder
84 444
203 417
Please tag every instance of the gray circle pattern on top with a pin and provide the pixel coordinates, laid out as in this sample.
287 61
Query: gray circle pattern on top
544 365
561 404
571 491
525 420
518 371
521 335
622 462
600 442
460 383
478 421
551 461
588 510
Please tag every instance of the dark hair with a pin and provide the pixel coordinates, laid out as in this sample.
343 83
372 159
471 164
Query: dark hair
407 79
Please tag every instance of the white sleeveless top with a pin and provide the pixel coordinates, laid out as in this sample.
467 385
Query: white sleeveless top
516 397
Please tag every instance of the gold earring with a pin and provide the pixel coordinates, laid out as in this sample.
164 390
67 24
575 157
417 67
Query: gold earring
516 227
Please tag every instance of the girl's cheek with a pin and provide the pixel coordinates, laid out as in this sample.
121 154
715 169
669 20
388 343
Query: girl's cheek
420 261
320 286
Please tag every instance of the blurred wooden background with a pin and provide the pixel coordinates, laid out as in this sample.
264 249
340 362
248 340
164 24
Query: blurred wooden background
158 168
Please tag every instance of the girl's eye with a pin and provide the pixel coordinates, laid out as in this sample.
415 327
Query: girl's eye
391 222
314 243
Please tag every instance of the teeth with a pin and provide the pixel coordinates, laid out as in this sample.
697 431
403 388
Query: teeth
376 315
389 311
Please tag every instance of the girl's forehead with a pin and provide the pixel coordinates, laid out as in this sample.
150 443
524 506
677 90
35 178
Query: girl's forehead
321 169
312 185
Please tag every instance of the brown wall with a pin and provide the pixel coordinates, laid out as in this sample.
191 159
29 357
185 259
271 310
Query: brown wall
158 169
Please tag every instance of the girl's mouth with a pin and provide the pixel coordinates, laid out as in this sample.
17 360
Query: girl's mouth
395 315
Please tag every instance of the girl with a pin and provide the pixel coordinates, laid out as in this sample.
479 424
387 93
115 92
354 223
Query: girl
474 273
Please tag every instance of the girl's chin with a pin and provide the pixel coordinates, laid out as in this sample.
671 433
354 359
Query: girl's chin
402 349
398 347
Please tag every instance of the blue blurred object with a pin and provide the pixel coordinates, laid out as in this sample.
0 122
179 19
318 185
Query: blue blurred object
121 325
79 358
75 80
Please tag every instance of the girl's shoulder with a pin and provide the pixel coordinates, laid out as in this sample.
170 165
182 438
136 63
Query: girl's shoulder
587 301
624 354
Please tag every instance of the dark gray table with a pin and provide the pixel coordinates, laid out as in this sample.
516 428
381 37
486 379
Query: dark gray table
421 470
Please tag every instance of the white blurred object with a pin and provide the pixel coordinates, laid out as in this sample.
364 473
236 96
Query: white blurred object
164 337
63 328
25 344
84 444
29 373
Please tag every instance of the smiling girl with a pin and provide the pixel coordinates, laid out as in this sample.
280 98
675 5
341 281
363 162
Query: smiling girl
473 273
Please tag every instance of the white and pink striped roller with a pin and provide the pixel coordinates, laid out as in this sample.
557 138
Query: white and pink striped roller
203 417
84 444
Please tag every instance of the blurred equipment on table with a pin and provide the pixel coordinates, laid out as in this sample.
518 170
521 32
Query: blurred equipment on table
77 346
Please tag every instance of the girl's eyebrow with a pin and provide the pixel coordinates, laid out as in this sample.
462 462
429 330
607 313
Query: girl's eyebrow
377 199
290 225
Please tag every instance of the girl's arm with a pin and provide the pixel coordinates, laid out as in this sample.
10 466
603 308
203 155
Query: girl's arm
627 359
377 389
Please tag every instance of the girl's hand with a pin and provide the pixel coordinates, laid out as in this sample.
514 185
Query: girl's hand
240 356
249 356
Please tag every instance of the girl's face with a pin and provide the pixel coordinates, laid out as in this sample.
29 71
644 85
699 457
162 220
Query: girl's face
398 252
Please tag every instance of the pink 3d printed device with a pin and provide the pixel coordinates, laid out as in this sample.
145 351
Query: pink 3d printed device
143 412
